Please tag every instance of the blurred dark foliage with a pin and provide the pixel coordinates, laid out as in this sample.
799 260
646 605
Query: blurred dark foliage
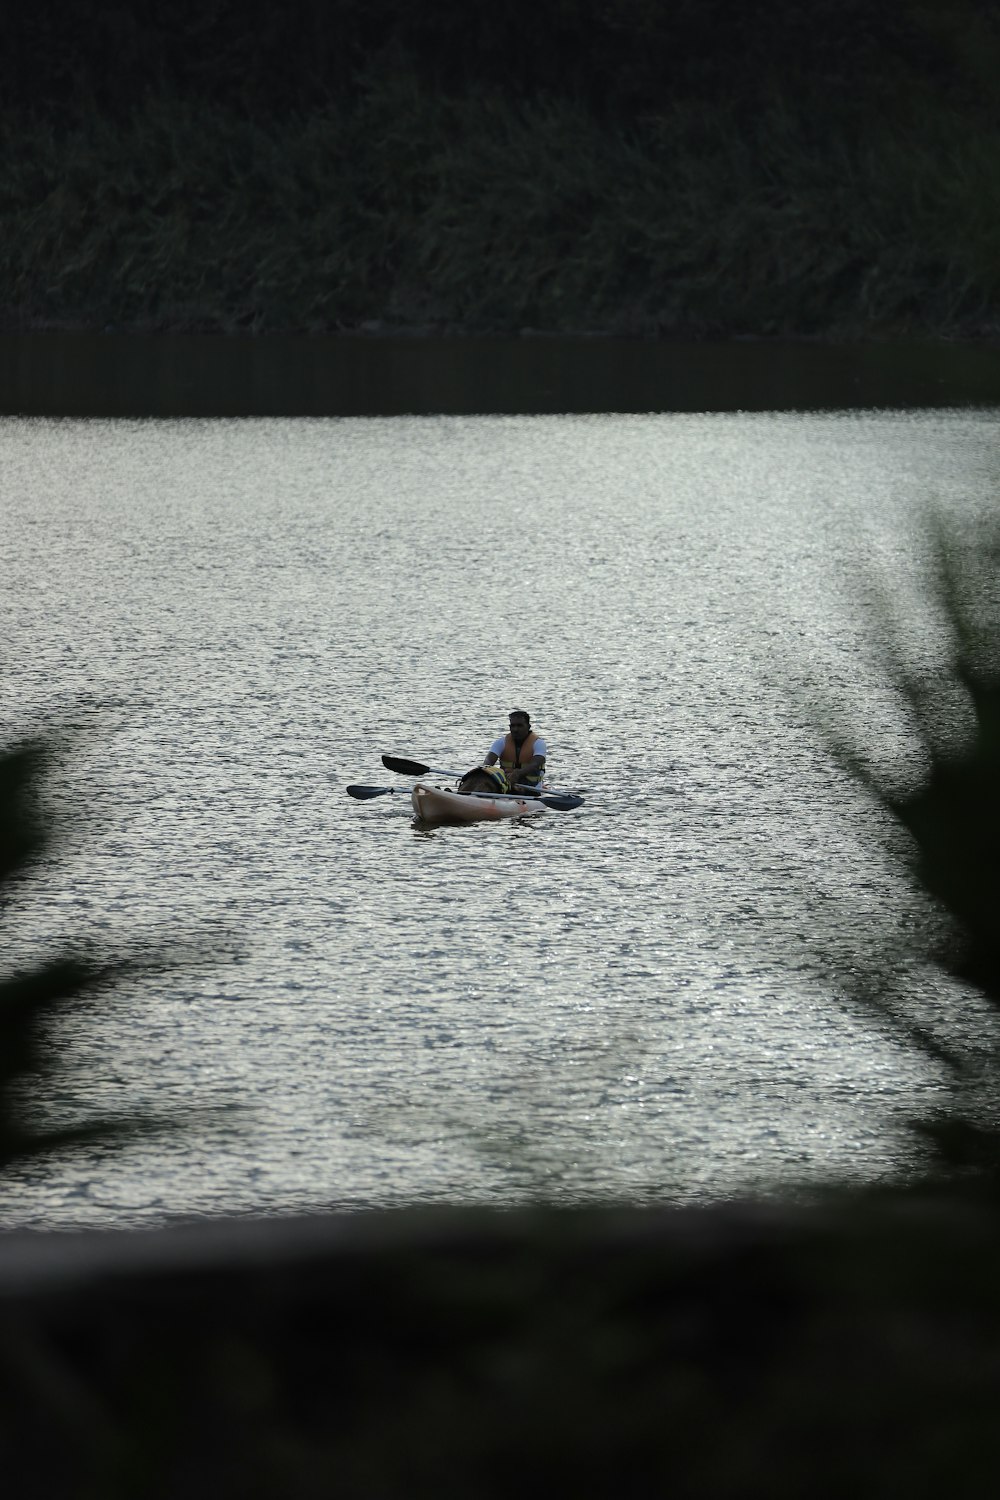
953 817
955 824
604 1355
619 57
30 1000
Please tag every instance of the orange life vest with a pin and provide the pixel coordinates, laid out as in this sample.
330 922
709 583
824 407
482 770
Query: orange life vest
511 758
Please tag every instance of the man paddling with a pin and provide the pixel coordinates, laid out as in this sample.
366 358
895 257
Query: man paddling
521 752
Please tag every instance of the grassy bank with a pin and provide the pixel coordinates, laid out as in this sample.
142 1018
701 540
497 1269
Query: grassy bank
674 171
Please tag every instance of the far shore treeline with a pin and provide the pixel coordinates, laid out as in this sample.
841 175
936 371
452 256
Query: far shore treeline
662 168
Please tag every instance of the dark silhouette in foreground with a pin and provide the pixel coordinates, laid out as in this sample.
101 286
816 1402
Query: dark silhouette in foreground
31 1000
952 820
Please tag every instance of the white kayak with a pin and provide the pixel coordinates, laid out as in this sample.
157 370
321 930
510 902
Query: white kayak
436 803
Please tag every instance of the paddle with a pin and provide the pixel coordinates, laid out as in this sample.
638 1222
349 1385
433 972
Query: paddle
559 803
414 768
417 768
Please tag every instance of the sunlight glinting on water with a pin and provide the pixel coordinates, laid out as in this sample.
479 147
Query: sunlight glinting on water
643 999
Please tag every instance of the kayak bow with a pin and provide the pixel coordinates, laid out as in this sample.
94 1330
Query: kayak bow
436 804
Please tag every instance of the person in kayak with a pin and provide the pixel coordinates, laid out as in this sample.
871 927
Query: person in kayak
521 752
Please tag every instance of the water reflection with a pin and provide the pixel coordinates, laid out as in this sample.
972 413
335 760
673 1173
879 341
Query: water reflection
247 615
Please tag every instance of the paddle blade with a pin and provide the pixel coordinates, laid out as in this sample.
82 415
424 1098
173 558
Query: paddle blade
404 767
562 804
361 792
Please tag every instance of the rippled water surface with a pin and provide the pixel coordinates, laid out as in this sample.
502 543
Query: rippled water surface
641 999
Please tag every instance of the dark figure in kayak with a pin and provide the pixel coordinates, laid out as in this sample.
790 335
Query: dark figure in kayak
484 779
521 752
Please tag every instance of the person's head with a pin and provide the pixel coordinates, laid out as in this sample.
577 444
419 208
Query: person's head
520 722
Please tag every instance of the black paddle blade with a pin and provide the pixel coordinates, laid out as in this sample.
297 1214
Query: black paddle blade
362 792
404 767
562 804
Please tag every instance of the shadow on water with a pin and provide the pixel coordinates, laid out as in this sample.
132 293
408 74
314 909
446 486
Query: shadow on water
112 375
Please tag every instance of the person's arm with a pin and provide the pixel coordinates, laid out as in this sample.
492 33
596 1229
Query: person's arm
493 753
534 767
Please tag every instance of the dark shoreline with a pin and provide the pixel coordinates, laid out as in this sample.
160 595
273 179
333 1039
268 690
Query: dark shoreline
78 374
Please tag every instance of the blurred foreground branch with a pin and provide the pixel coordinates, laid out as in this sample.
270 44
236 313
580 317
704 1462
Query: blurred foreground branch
29 999
953 821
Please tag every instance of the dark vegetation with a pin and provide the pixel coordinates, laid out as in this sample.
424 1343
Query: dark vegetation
847 1347
651 167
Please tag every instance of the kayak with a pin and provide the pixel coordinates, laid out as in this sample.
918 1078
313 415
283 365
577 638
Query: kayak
436 803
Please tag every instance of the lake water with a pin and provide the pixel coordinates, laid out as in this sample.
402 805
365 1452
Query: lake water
641 1000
